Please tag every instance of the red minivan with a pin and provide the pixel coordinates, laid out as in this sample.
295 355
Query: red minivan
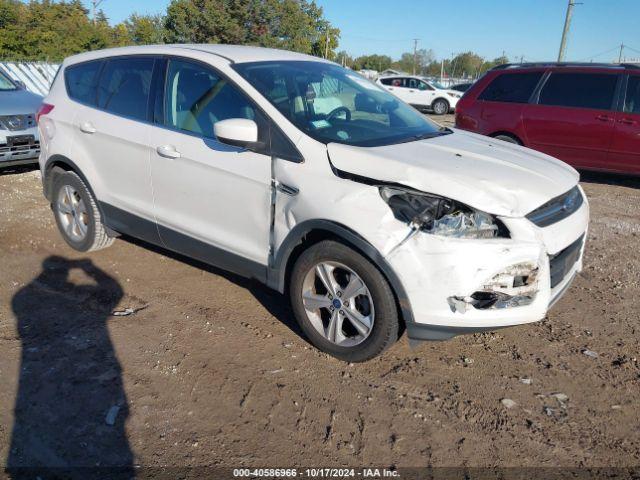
585 114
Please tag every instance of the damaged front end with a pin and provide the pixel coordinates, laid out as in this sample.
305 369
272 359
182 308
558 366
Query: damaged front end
516 286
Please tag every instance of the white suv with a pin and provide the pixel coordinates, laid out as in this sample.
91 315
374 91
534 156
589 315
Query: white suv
302 174
422 94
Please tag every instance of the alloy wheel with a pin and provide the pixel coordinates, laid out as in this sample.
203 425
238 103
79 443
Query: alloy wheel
338 303
72 213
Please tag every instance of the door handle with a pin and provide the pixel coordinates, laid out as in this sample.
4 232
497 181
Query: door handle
168 151
627 121
390 88
411 91
603 118
87 127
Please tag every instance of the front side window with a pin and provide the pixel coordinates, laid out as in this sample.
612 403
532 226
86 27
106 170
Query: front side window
82 81
124 86
632 99
197 98
332 104
413 83
6 84
511 87
579 90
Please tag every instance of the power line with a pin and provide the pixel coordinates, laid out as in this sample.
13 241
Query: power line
591 57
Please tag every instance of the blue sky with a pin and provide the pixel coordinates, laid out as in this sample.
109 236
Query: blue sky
531 28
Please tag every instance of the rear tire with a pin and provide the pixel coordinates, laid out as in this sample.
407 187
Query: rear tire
440 106
77 215
356 321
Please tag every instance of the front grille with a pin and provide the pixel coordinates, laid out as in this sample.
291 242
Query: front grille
561 263
16 123
19 150
557 208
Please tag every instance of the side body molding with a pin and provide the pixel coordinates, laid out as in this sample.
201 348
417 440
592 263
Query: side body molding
277 273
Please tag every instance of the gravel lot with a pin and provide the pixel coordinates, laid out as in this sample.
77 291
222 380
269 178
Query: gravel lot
211 370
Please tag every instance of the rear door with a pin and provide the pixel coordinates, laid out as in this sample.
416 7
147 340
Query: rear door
574 117
624 155
112 131
398 86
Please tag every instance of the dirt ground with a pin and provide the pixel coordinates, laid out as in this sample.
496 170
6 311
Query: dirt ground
211 370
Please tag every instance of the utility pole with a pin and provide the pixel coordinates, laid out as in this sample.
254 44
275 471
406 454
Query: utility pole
415 54
326 47
94 6
441 70
565 31
620 56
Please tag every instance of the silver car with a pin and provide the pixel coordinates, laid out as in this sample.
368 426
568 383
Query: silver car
19 141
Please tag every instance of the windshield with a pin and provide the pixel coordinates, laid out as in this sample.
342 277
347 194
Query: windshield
6 84
438 85
333 104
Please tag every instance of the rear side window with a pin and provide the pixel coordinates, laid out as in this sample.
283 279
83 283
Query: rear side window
511 87
392 82
632 99
82 81
124 86
580 90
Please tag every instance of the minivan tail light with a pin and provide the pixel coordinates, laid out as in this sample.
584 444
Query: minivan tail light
45 109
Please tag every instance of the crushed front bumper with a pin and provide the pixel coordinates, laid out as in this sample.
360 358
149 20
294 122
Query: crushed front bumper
442 276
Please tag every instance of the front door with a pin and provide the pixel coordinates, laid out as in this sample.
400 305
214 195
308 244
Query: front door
212 201
624 155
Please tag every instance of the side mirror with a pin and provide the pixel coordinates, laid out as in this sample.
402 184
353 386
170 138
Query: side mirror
239 132
20 84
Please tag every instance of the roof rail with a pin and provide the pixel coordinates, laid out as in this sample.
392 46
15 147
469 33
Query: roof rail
506 66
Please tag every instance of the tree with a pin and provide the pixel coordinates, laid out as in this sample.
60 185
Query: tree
144 29
297 25
466 65
11 12
423 58
373 62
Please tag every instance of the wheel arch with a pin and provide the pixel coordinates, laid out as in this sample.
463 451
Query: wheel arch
443 99
310 232
508 134
66 164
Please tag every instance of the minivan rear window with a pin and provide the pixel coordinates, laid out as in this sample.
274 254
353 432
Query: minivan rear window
580 90
82 81
511 87
632 101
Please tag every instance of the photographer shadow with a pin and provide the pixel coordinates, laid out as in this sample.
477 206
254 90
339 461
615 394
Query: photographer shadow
71 407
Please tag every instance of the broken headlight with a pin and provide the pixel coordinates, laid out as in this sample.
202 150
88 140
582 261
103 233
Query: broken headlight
439 215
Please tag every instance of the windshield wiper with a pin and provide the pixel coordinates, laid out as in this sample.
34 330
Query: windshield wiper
426 136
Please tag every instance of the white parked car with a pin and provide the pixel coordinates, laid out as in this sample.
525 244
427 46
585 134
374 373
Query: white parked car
302 174
19 142
421 93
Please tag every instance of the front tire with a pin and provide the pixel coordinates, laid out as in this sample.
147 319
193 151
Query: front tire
77 214
343 303
440 106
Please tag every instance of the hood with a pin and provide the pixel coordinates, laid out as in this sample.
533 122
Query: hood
19 102
487 174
